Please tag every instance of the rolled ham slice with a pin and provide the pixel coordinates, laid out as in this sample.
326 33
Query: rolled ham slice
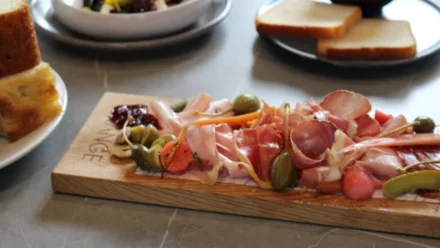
309 141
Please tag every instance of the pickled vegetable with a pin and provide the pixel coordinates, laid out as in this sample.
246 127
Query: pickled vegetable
120 139
140 156
164 139
424 124
283 174
426 179
153 157
150 135
179 106
246 103
137 133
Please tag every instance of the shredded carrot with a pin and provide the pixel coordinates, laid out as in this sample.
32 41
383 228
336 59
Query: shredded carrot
233 120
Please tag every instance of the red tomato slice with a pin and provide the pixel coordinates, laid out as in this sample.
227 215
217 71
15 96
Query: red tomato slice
181 160
381 117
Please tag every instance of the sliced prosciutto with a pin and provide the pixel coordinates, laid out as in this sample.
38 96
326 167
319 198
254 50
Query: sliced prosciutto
367 126
345 104
384 163
167 118
394 123
423 139
309 141
259 147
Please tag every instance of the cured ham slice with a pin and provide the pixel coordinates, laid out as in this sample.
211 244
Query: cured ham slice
200 103
188 116
312 177
367 126
424 139
384 163
166 117
347 126
331 170
345 104
394 123
259 147
309 141
205 148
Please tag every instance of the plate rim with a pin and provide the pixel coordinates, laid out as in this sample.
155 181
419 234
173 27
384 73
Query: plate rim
137 44
51 126
353 63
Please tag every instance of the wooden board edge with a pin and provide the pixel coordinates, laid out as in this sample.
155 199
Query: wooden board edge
248 206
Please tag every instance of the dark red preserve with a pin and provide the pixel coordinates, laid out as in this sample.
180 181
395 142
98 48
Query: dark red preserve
139 112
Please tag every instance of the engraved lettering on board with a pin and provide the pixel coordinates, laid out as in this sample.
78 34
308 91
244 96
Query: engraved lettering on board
100 147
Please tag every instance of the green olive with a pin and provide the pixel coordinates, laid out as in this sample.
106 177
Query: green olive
150 135
283 174
137 133
179 106
246 103
120 137
121 151
427 125
153 157
427 179
139 154
164 139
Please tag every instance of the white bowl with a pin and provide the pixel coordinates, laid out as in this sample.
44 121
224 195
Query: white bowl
129 26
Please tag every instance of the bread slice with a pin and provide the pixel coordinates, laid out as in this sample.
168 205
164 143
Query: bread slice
27 100
307 18
372 39
19 49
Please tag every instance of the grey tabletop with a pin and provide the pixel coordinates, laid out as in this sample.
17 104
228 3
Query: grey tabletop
230 60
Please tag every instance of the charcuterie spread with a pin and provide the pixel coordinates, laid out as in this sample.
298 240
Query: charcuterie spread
340 145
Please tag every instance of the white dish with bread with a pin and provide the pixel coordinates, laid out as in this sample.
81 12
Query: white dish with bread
341 35
104 24
33 97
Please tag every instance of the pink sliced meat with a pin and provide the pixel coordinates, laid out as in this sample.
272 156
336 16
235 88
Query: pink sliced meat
260 146
224 142
200 103
167 118
423 139
345 104
384 163
202 141
312 177
309 141
394 123
293 121
367 126
188 116
347 126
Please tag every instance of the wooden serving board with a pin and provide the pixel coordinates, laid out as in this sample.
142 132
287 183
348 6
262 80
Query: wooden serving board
88 169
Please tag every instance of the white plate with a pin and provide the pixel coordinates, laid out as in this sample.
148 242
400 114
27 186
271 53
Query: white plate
129 26
49 25
11 152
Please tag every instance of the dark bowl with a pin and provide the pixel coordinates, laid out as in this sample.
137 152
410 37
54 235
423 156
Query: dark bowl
369 7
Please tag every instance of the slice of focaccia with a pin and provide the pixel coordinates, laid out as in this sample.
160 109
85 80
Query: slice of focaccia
27 100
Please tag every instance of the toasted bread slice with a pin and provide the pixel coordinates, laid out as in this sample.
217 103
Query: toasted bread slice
372 39
27 100
19 50
307 18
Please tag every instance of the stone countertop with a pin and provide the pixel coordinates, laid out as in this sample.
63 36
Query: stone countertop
229 61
